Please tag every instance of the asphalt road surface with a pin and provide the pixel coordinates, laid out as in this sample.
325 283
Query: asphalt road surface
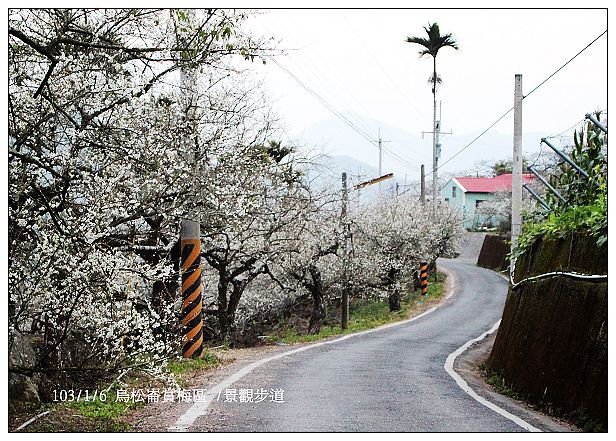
389 380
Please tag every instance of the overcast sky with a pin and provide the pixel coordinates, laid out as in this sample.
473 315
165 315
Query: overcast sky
358 62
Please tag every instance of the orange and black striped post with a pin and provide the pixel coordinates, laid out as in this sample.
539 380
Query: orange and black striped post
192 320
423 277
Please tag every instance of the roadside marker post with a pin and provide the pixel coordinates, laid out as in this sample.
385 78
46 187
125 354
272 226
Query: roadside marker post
423 268
192 320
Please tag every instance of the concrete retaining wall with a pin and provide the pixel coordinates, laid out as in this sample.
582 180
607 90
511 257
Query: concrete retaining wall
552 342
494 252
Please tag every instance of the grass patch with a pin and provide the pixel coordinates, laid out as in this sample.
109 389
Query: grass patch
369 314
84 416
109 409
499 384
110 415
182 366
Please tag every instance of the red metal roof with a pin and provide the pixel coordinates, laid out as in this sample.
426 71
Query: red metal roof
490 185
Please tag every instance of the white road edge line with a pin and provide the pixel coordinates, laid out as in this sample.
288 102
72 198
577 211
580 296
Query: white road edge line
466 388
198 408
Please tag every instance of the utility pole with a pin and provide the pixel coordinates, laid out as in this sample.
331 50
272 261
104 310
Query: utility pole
190 241
436 149
516 183
192 320
434 155
346 247
380 157
423 185
345 254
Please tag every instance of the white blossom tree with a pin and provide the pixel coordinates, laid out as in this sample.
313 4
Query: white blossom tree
98 176
313 258
257 206
393 236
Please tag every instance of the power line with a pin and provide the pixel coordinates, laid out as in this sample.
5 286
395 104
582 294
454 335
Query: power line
339 115
312 66
376 61
316 78
556 135
474 140
525 96
352 117
566 130
561 67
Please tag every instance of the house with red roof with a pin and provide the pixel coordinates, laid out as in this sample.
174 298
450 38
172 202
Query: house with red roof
466 194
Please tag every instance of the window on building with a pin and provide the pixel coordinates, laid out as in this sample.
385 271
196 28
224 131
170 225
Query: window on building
446 199
478 202
453 191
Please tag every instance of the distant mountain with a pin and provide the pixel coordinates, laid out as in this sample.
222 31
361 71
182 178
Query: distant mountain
332 136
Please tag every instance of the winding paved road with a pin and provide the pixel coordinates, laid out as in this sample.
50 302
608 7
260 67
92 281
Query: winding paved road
389 380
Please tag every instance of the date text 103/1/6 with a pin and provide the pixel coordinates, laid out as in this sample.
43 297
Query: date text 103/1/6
63 395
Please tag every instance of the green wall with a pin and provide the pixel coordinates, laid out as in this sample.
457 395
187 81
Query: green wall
465 204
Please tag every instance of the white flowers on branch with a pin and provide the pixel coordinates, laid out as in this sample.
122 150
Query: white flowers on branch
98 171
393 236
108 150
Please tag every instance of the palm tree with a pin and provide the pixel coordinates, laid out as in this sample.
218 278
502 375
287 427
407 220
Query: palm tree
432 45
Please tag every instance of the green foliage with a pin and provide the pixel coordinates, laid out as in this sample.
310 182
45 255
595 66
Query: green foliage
108 409
505 166
434 42
497 381
182 366
585 209
590 153
580 218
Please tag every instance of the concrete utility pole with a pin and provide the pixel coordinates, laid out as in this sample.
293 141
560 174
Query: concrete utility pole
345 254
192 319
346 249
423 185
380 157
434 156
516 183
190 242
436 149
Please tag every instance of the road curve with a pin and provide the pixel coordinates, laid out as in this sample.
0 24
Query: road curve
384 381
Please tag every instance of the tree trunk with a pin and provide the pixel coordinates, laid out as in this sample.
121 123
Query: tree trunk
318 303
416 280
394 297
394 300
234 301
432 269
223 321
